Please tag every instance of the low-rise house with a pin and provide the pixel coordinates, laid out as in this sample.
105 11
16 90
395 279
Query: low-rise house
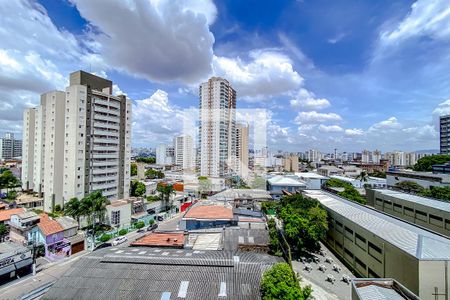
52 236
29 201
313 181
15 260
279 183
161 239
23 228
208 214
328 171
118 213
5 214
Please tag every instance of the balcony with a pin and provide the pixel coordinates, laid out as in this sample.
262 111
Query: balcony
99 179
106 141
105 148
105 163
106 118
104 186
105 155
106 132
111 103
106 125
106 110
97 171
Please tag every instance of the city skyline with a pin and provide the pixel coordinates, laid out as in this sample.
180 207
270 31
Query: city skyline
348 84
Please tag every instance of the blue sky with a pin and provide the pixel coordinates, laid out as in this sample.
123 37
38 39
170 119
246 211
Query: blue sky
340 74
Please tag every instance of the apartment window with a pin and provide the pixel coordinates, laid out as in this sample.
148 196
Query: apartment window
115 217
372 274
436 220
398 207
360 264
408 211
348 233
360 241
421 215
447 224
338 245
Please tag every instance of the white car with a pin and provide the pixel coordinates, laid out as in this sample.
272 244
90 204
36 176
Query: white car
119 240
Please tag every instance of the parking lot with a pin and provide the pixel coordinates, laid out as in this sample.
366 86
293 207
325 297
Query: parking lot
325 273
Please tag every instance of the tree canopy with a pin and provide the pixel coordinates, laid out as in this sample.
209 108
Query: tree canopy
409 186
154 174
137 188
147 160
349 192
8 180
425 163
133 169
279 283
304 221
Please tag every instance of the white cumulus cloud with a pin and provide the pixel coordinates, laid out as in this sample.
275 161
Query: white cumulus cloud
305 99
313 117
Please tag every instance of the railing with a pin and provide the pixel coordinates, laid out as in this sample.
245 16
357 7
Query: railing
37 293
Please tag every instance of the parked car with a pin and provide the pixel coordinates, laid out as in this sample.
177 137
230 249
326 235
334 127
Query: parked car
119 240
101 246
160 218
152 227
140 230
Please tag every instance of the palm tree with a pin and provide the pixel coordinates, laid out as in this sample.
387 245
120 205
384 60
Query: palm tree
99 205
363 176
73 209
166 191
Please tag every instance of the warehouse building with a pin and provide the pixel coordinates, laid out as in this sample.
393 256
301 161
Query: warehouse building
429 213
380 289
376 245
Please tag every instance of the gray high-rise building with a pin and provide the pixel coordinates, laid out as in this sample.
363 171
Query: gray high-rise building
444 131
10 147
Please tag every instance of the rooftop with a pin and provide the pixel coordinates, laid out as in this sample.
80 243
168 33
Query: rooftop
420 243
285 181
441 205
161 273
49 226
119 202
161 239
213 211
381 289
311 175
67 222
7 249
249 194
27 198
445 178
5 215
28 215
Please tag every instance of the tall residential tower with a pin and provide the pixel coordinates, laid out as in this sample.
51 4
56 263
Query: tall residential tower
217 130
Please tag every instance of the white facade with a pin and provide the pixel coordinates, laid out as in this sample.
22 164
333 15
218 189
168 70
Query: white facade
217 132
80 142
184 154
165 155
28 148
314 155
97 140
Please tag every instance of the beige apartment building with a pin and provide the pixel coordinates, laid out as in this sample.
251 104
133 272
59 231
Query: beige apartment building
77 142
217 130
97 140
242 150
291 163
376 245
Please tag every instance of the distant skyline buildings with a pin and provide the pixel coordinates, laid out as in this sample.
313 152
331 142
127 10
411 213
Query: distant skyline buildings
10 147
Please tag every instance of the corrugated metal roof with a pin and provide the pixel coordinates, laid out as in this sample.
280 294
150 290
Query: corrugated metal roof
202 275
445 206
374 292
418 242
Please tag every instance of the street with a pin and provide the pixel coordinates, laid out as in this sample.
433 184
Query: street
48 272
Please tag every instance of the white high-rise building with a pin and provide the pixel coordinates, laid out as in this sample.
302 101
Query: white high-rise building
184 155
43 149
165 155
28 148
314 155
80 142
376 156
97 139
242 136
10 147
217 131
366 156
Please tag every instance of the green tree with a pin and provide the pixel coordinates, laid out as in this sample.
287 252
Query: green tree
440 193
147 160
363 176
105 237
424 164
153 198
410 186
140 225
279 283
274 241
352 194
258 183
8 180
166 190
304 222
137 188
123 231
73 208
93 207
154 174
204 185
3 229
379 174
133 169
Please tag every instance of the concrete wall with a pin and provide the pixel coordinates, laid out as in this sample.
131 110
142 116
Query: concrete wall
433 277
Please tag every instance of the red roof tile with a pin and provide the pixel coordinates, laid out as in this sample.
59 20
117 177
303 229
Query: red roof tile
209 212
49 226
161 239
5 215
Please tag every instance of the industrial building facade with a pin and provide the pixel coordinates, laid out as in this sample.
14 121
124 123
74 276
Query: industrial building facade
376 245
431 214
